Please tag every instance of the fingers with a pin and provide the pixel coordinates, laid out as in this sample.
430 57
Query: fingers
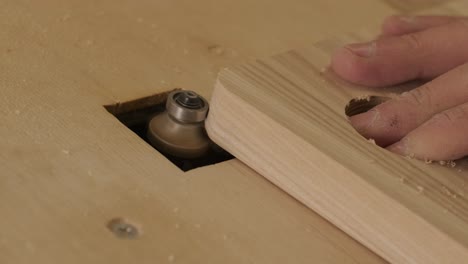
400 25
390 121
391 60
443 137
430 122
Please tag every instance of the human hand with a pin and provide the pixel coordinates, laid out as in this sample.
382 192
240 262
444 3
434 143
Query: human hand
429 122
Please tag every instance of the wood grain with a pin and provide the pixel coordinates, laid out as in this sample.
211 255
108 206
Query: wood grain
414 5
285 117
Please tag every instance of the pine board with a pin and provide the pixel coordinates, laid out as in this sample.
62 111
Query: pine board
284 117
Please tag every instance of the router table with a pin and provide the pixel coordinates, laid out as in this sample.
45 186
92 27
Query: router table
78 186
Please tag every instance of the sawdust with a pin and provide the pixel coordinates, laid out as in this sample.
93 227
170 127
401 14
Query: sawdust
65 17
171 258
363 98
216 50
448 163
420 189
177 70
449 193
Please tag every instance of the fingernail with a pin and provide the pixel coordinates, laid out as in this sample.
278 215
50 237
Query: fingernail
364 121
401 147
365 50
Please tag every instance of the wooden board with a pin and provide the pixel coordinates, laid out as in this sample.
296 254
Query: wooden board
284 116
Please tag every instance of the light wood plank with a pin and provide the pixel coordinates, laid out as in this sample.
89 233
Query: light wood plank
284 117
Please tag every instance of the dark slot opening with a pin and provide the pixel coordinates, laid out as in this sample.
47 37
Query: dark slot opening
136 115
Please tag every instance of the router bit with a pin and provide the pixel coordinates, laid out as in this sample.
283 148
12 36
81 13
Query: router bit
180 130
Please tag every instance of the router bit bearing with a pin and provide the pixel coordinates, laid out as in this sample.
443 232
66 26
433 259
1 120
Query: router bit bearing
180 130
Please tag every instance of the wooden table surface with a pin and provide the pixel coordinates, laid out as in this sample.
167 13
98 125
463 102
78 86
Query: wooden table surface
68 167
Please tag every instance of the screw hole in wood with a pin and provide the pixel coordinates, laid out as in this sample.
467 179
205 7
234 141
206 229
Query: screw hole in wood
123 229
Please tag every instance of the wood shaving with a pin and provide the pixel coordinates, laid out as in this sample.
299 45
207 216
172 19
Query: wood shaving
449 193
420 189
